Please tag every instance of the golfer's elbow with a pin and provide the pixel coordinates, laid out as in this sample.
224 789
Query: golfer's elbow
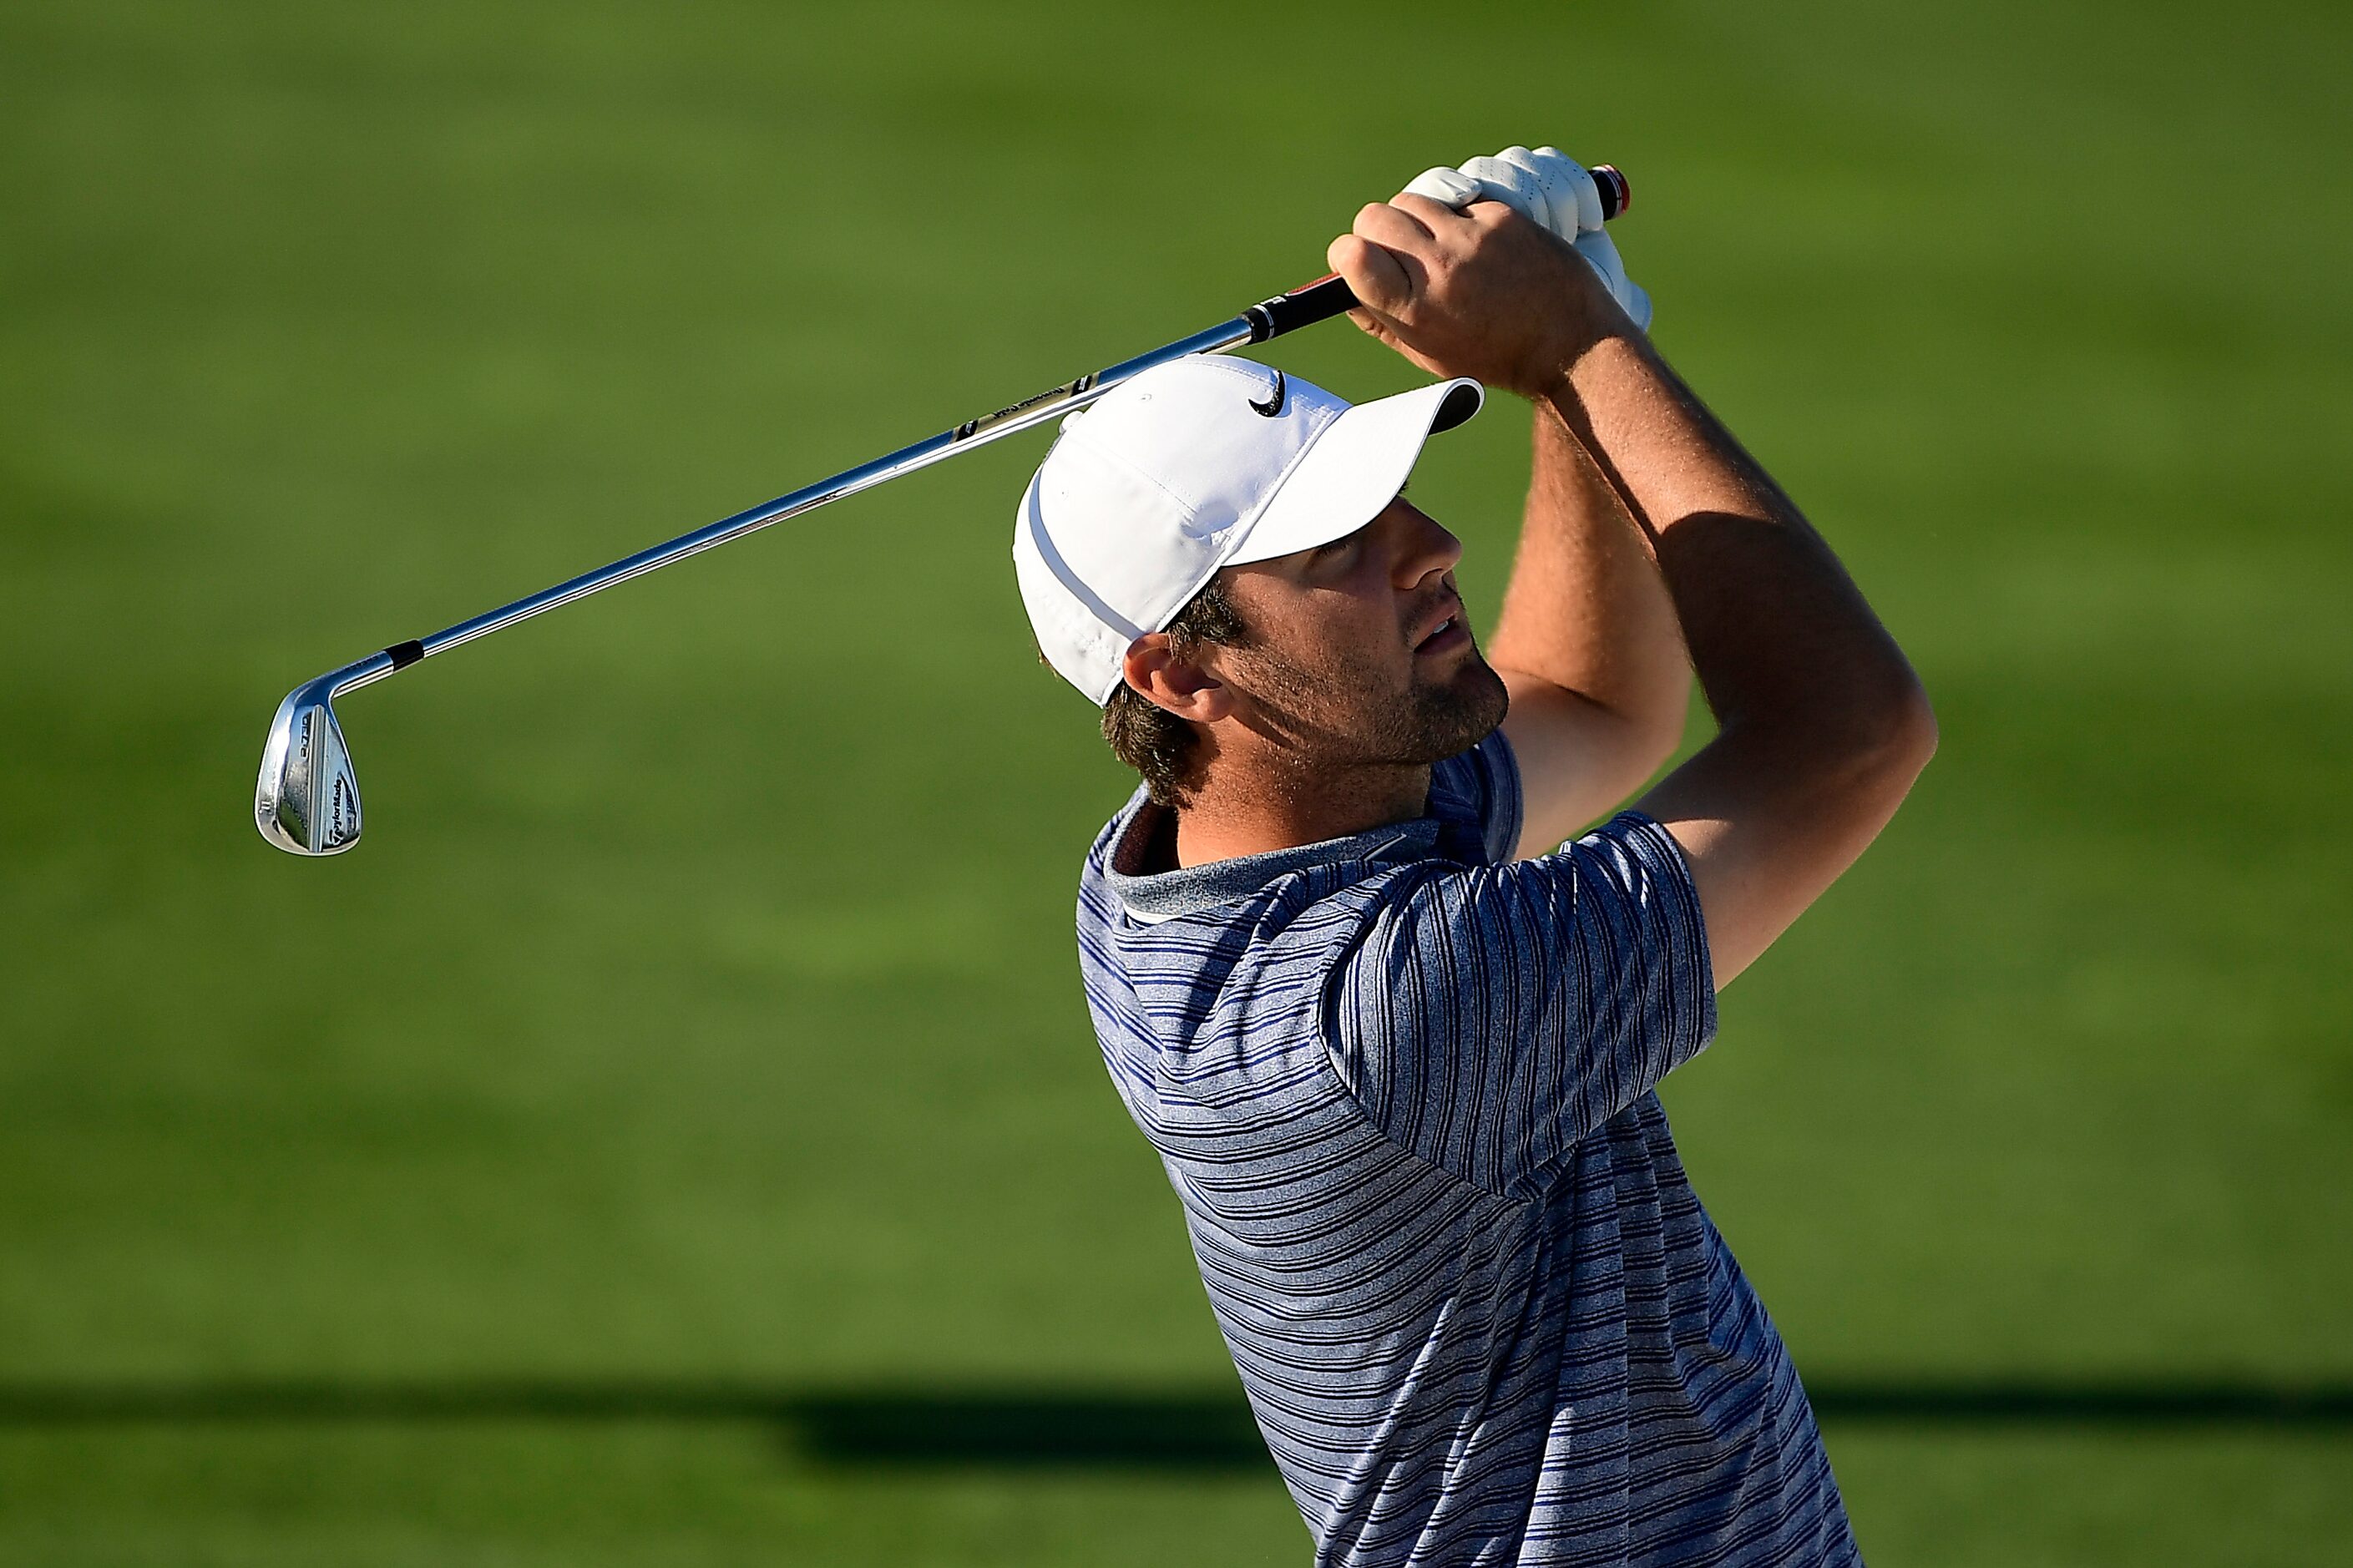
1853 759
1915 728
1890 744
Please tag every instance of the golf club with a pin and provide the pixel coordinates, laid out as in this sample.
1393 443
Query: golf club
307 801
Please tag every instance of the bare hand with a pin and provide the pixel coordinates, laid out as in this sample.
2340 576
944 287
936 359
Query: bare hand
1482 292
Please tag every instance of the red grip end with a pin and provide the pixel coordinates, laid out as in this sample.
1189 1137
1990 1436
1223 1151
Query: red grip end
1617 193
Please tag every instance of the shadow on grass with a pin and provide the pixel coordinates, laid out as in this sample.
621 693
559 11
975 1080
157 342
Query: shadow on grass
1202 1429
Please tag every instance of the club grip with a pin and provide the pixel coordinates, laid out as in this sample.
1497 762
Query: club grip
1327 297
1330 295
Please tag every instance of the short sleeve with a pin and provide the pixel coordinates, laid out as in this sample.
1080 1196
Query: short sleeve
1489 1017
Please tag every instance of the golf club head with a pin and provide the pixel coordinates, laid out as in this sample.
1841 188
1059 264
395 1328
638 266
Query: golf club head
307 802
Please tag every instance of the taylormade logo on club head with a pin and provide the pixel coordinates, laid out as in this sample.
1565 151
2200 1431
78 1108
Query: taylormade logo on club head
1274 405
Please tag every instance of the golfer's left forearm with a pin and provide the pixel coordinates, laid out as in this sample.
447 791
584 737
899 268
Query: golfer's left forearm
1586 609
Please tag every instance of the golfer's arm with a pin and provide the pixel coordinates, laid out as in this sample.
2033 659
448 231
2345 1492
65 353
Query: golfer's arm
1821 725
1588 645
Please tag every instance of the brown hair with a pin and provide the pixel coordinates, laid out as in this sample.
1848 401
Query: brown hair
1151 740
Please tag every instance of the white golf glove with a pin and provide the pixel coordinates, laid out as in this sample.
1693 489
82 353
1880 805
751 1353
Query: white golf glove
1549 187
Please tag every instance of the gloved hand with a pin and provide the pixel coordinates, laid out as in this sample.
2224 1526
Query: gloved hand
1547 187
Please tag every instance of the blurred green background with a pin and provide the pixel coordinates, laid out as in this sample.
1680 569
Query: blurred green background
675 1135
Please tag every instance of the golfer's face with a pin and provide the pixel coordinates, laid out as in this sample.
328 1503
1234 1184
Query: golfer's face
1358 650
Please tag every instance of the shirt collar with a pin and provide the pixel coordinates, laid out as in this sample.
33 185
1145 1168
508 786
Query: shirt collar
1155 896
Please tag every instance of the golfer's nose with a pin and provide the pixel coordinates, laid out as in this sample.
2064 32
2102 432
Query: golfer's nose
1426 550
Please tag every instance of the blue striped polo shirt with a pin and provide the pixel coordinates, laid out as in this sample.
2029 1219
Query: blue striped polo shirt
1402 1085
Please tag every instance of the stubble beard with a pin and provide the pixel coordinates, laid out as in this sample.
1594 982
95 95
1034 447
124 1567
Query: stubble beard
1333 720
1438 722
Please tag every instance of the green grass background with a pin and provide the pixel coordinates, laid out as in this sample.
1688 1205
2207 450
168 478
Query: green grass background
702 1007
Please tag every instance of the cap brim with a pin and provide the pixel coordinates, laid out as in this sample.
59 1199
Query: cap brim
1355 468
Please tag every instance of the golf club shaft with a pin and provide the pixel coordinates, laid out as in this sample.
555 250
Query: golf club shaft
1320 301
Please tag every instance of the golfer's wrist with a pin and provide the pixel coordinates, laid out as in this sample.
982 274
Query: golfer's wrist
1582 322
1553 374
1604 368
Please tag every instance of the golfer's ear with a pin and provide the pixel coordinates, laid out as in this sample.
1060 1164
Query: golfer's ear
1166 681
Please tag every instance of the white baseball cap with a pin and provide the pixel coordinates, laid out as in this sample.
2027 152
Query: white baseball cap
1190 467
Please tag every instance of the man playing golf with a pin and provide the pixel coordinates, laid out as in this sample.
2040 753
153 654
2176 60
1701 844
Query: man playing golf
1395 1041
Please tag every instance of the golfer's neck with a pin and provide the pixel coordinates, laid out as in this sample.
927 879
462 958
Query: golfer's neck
1252 813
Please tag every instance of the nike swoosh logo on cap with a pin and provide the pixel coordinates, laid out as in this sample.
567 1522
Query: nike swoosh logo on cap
1273 405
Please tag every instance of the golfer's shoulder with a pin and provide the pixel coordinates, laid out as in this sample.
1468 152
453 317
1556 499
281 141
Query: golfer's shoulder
1480 791
1617 892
